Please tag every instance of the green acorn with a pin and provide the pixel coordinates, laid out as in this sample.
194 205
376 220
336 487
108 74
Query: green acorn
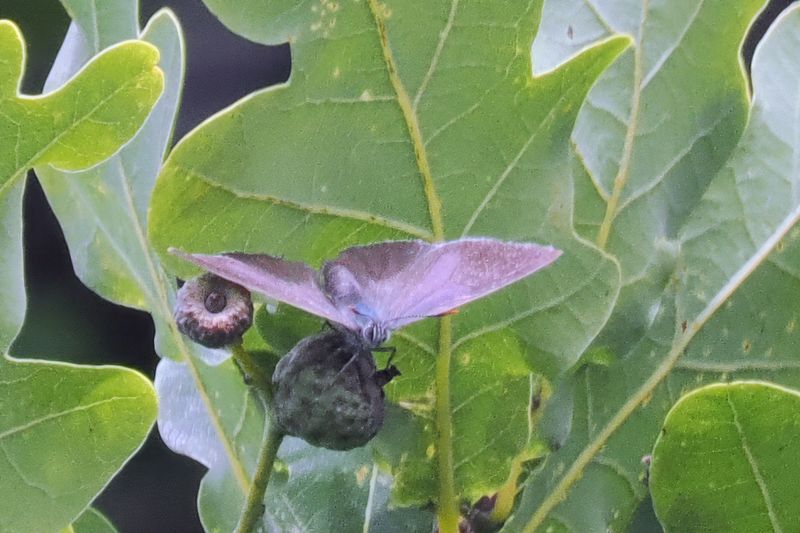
329 392
212 311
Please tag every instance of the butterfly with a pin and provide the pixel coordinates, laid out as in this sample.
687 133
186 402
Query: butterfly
371 290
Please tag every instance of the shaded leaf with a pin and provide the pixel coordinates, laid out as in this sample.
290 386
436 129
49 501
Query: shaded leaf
717 303
103 212
726 460
285 327
64 431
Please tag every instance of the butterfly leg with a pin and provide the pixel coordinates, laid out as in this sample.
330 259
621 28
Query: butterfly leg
391 350
348 363
389 372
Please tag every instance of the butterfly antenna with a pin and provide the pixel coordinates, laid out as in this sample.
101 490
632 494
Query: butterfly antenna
440 315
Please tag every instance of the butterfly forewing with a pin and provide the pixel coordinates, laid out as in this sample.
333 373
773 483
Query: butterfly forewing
452 274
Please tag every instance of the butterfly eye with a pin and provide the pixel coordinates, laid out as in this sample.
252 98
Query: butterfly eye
374 334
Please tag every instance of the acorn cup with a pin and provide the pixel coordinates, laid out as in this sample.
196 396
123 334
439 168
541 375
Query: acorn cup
212 311
329 392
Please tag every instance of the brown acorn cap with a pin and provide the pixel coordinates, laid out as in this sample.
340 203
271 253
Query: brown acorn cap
213 311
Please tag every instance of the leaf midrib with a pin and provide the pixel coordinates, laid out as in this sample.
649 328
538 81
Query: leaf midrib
447 506
759 479
412 123
161 302
623 173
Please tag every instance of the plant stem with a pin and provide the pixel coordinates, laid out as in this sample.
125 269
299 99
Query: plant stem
262 386
254 507
253 371
447 509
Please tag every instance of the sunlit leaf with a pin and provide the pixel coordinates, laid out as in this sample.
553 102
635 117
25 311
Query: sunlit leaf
76 126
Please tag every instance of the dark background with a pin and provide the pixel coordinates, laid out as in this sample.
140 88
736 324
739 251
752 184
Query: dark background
156 491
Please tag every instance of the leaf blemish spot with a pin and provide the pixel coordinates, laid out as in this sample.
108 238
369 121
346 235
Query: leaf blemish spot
791 325
361 475
365 96
746 346
430 451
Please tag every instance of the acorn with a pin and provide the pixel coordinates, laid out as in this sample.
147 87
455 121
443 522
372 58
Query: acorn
328 391
213 311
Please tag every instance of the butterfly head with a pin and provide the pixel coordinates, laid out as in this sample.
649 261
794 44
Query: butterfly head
372 331
375 333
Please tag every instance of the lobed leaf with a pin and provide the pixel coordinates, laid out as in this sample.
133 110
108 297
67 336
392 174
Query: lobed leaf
103 212
205 411
715 317
65 430
73 127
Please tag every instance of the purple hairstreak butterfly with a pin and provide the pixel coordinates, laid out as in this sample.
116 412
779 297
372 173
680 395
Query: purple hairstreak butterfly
371 290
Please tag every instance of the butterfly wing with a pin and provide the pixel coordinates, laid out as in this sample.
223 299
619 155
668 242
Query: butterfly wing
403 281
360 275
290 282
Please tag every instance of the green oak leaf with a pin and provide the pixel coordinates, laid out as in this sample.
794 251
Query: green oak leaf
395 125
65 430
103 212
311 488
91 521
727 460
722 312
204 411
73 127
285 327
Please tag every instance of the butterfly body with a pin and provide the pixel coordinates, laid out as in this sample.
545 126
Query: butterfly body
369 291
